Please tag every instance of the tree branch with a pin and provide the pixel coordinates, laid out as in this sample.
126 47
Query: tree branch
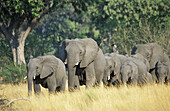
34 21
9 103
5 32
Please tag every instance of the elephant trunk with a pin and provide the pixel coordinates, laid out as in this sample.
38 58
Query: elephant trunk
30 76
73 61
161 80
30 80
124 79
71 76
105 81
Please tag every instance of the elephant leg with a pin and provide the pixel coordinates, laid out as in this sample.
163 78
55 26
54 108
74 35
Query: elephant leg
63 85
154 78
51 83
90 75
134 82
37 88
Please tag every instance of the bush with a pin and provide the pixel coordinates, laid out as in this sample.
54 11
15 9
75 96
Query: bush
9 73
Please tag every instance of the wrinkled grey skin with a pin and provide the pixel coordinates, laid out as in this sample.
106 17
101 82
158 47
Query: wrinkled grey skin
144 60
143 76
153 53
142 68
85 62
129 73
135 72
48 71
120 59
112 70
163 71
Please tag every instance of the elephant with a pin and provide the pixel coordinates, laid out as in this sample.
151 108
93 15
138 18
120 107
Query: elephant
144 77
120 60
162 70
143 59
48 71
85 61
135 71
61 50
129 73
153 53
111 71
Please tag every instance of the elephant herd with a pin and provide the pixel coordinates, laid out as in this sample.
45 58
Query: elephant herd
87 65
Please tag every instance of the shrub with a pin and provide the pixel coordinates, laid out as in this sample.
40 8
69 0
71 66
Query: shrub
9 73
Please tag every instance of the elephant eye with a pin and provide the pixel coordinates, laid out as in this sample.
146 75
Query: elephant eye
110 67
81 52
36 67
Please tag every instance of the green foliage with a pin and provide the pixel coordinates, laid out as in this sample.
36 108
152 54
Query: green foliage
5 49
129 22
64 23
10 73
138 12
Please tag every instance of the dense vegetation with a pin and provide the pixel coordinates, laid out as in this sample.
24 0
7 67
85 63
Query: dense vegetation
121 22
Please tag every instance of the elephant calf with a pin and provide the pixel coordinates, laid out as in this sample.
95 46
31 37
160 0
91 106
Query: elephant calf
163 71
112 70
135 72
48 71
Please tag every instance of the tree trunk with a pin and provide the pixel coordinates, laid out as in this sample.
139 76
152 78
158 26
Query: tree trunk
18 52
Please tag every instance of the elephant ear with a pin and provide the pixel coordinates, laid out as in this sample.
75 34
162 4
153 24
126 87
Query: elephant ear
61 50
91 51
48 67
168 70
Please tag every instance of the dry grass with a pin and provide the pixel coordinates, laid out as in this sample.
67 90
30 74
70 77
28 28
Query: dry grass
147 98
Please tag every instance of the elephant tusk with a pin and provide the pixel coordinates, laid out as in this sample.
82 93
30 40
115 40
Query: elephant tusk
34 77
108 78
65 62
77 63
25 77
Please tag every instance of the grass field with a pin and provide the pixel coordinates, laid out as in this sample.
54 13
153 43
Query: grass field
147 98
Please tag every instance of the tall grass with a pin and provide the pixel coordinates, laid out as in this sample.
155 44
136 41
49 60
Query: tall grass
147 98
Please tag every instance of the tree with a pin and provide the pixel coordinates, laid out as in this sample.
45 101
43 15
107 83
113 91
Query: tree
17 19
63 23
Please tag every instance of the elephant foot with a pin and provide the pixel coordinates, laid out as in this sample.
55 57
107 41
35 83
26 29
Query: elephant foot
71 89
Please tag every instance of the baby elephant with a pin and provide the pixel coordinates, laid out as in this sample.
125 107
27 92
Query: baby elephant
48 71
135 72
129 73
162 70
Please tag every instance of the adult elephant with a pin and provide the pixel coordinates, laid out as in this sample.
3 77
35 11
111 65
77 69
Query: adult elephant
48 71
163 71
153 53
112 70
85 60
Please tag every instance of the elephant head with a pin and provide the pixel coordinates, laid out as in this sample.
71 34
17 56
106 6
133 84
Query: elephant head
143 49
40 68
163 71
152 52
80 53
112 70
141 58
128 71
